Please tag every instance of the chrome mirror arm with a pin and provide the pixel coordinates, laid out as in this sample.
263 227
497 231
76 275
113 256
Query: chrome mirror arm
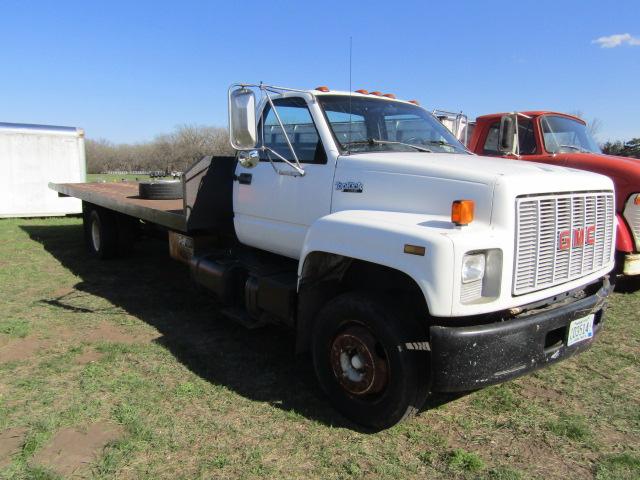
298 171
297 167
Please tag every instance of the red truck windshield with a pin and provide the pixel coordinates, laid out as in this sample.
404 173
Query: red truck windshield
562 134
372 124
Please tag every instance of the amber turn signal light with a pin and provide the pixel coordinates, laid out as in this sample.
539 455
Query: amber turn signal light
637 200
462 212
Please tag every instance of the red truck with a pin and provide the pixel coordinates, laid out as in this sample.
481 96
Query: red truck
564 140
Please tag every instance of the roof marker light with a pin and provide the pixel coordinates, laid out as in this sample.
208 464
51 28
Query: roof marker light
322 88
362 91
389 95
376 93
415 102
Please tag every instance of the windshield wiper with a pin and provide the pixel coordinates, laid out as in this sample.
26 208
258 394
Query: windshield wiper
441 143
375 141
574 147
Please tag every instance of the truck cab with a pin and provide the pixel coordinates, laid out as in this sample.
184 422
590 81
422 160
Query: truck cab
564 140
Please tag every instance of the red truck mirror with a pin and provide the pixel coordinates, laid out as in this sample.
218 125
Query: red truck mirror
506 138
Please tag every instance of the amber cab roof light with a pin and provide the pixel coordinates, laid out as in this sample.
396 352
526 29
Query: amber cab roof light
462 212
362 91
376 93
415 102
322 88
389 95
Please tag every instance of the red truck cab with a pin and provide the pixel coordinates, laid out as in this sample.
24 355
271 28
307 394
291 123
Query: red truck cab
564 140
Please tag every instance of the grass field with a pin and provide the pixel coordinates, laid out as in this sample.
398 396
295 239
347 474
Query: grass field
121 369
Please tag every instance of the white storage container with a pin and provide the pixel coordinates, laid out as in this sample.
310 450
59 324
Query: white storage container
31 156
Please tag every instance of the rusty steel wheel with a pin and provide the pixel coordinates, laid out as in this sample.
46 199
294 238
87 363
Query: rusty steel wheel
359 362
358 351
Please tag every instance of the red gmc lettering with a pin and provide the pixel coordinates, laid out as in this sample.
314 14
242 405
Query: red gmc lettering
591 234
578 237
564 239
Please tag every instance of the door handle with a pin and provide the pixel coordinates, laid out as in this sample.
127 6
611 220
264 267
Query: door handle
245 178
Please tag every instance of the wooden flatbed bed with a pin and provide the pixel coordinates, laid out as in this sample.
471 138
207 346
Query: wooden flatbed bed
123 197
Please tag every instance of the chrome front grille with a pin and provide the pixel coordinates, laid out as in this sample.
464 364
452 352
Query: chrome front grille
545 223
632 216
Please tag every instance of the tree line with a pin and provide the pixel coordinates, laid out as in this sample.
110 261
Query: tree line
620 148
177 150
174 151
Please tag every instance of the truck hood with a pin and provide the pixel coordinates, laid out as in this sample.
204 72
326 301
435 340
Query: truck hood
420 182
624 171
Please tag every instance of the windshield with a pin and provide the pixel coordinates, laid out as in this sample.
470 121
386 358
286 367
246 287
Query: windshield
374 124
562 134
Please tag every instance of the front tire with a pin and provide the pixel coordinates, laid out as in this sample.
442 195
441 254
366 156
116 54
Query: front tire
370 359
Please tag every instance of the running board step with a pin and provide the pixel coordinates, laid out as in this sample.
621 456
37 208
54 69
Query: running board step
241 317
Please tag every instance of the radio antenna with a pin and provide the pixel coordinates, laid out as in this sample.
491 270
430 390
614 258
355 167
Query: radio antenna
350 88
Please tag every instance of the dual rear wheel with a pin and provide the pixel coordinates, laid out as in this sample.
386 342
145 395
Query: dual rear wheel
108 234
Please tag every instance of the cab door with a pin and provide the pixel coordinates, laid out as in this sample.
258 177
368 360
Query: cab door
529 143
274 209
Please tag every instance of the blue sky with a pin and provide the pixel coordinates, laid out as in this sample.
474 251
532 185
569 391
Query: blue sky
126 71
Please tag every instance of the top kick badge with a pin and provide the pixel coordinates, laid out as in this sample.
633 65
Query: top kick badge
576 239
350 187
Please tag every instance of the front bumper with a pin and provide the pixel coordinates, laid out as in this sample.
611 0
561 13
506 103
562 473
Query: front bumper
471 357
631 264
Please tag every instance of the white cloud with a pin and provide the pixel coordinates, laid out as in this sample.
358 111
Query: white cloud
617 40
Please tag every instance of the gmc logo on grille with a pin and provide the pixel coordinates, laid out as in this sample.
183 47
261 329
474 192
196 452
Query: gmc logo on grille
576 239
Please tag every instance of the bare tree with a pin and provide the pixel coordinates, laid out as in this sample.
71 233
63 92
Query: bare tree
171 151
594 125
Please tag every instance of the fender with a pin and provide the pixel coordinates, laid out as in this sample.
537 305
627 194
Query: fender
624 240
380 237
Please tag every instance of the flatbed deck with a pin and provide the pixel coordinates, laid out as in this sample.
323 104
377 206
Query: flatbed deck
123 197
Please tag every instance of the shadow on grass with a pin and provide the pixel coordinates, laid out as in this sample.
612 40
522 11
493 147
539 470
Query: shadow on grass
257 364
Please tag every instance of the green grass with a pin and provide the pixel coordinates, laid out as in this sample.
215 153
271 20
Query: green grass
200 397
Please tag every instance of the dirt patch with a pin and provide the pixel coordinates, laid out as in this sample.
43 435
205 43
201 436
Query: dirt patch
541 393
11 441
22 349
88 356
107 332
71 451
62 292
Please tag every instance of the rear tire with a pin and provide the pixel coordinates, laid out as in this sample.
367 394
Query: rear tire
101 233
362 361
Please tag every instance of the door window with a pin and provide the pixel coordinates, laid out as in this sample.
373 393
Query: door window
526 138
300 128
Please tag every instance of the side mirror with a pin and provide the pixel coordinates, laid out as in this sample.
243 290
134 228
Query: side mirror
242 119
248 159
506 143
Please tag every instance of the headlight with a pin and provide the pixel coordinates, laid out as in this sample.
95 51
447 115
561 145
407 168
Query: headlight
473 267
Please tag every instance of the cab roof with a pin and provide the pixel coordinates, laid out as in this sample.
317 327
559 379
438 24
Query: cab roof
529 113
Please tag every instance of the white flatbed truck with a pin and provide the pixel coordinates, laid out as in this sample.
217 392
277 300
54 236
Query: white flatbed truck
404 265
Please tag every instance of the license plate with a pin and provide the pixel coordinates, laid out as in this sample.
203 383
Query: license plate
580 329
